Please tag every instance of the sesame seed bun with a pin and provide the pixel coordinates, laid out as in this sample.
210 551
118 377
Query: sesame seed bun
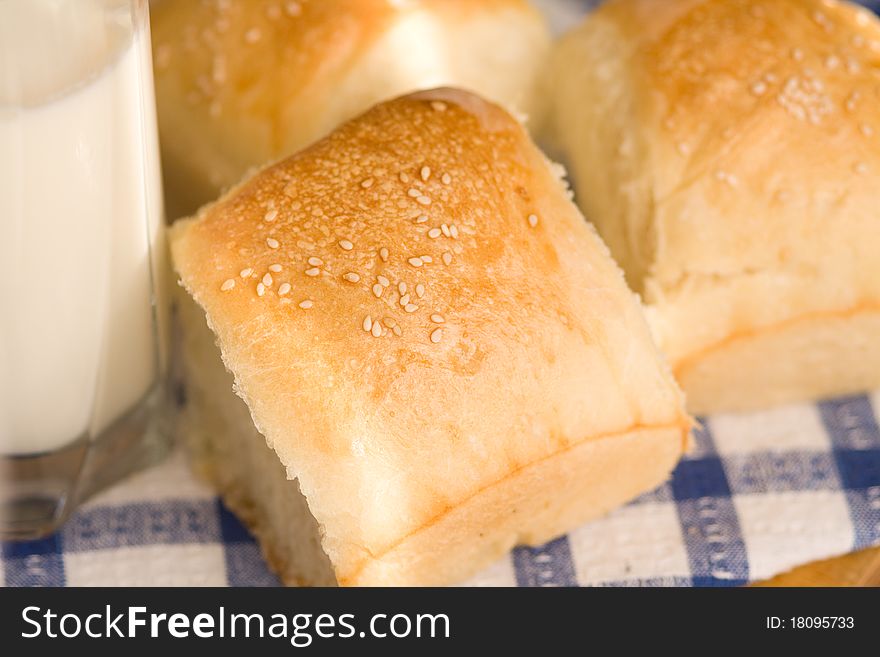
242 83
500 389
729 153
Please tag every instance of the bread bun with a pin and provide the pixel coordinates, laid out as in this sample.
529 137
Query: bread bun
241 83
729 153
433 342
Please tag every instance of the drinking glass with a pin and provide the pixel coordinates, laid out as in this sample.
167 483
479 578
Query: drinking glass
82 322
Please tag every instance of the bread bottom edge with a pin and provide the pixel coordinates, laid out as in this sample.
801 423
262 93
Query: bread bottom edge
808 358
556 494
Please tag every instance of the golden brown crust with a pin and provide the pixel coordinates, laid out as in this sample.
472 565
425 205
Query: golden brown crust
514 337
743 146
244 82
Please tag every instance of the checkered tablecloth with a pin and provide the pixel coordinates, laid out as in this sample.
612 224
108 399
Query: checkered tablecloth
759 494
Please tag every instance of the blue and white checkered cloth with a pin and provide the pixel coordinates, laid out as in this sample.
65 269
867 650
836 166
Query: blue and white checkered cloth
759 494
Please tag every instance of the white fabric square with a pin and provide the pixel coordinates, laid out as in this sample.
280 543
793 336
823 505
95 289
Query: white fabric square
636 542
784 530
875 403
786 428
201 564
173 480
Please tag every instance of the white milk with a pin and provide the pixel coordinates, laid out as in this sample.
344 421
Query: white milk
79 210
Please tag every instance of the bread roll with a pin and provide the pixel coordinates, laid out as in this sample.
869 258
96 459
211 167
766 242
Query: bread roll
241 83
729 153
436 346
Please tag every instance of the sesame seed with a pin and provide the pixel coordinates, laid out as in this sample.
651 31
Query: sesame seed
422 218
437 318
404 300
383 253
314 271
346 245
436 335
683 148
420 290
423 200
438 105
453 230
267 280
445 230
851 101
427 259
434 233
758 88
866 129
861 168
446 179
252 35
415 262
261 289
305 305
245 273
315 262
376 330
797 54
275 269
384 282
271 216
273 243
368 323
366 184
378 290
284 289
227 285
415 193
403 177
447 258
425 173
351 277
533 220
411 307
823 21
397 331
401 287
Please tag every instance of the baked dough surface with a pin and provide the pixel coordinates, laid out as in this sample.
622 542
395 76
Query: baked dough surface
729 153
432 340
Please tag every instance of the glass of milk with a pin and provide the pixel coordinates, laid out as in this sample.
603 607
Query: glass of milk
81 256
